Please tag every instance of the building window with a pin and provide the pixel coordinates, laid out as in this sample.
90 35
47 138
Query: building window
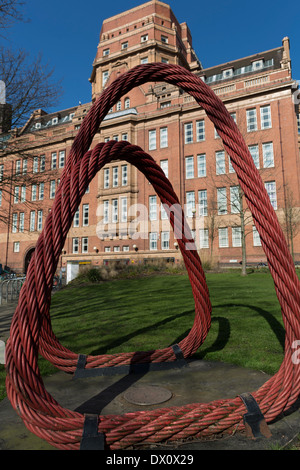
42 163
188 133
16 194
25 166
202 197
18 167
32 221
105 212
125 136
115 176
190 203
84 245
1 172
116 138
251 120
75 245
153 240
265 117
14 223
124 46
253 149
298 123
116 248
119 105
16 247
21 222
164 164
163 137
271 190
85 215
164 39
23 193
107 249
152 140
76 219
125 248
115 210
152 208
236 236
256 237
189 167
163 212
62 155
165 240
144 60
33 192
203 238
235 204
164 60
200 130
230 167
105 52
53 161
35 167
124 209
144 38
52 189
40 221
222 201
106 178
104 77
127 103
220 163
223 237
268 155
124 175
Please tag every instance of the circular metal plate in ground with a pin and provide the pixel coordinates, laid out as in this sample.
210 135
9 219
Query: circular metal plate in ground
147 395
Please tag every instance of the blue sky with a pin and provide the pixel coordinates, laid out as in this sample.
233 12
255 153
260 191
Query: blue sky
66 32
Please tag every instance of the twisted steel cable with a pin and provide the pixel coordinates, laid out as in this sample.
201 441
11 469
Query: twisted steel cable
31 331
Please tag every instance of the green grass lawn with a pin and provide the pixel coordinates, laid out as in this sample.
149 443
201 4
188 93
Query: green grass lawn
158 311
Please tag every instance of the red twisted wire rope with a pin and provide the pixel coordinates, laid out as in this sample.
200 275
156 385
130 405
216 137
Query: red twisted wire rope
31 331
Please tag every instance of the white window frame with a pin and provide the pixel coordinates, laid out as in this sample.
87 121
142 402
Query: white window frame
106 178
21 221
164 164
14 226
188 133
16 247
32 221
203 238
62 158
33 192
251 116
115 176
85 215
53 160
254 150
106 212
75 245
271 190
223 237
39 220
220 163
268 155
202 198
124 175
76 218
265 117
163 137
189 167
124 209
152 208
153 241
165 240
200 130
235 206
222 200
84 245
152 139
115 213
52 189
236 233
190 203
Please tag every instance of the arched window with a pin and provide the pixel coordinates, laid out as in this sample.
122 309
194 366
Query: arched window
127 103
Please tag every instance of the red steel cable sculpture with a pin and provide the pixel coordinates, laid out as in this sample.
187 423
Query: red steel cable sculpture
31 332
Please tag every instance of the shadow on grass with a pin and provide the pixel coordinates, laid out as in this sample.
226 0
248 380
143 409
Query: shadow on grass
98 402
124 339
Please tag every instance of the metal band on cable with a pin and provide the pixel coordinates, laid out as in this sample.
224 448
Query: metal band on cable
254 421
81 371
91 439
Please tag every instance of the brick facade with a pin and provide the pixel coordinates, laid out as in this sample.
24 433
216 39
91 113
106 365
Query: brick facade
258 91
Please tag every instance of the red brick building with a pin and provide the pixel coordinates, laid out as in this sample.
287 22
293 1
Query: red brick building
258 91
